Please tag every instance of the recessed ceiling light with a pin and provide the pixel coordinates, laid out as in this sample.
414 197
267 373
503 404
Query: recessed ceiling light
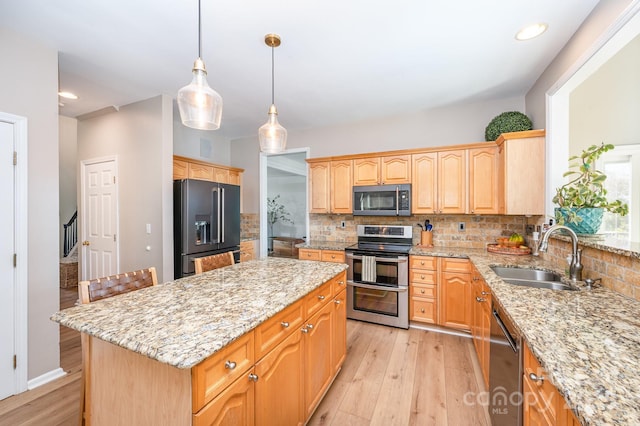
531 31
68 95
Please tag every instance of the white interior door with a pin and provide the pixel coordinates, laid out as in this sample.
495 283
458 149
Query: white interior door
8 379
99 219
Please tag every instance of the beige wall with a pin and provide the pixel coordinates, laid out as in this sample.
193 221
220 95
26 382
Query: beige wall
140 137
29 88
202 145
436 127
606 106
68 157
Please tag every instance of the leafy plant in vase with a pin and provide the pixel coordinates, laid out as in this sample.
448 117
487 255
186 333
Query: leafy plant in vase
276 212
583 200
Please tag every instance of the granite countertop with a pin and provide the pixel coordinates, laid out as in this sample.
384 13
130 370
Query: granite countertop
324 245
185 321
588 341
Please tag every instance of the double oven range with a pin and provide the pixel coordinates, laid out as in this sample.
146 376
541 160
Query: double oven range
378 275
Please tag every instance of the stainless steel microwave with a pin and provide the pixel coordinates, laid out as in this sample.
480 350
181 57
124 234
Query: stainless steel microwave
382 200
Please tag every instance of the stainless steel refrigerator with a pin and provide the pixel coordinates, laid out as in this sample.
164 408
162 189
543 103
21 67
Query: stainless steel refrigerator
206 220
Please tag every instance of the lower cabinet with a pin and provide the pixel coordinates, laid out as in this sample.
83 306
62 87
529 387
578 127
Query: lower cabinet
543 404
336 256
296 363
481 321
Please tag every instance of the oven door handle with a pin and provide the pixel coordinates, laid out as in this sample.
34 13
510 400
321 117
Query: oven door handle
378 287
400 259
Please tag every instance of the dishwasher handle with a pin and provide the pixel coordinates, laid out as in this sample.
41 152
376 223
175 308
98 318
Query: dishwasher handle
510 339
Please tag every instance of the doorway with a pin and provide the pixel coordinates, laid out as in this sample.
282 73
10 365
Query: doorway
13 244
283 200
99 218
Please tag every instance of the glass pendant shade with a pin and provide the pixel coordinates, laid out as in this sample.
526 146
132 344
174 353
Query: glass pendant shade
200 106
272 136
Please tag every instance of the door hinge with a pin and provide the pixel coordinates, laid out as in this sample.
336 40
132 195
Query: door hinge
15 260
15 361
15 158
114 179
114 238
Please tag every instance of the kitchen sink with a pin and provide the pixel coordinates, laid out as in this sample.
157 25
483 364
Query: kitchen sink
529 277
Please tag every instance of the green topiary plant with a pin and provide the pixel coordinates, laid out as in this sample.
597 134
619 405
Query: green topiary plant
510 121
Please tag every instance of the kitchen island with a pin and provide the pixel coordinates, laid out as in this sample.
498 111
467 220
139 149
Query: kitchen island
178 352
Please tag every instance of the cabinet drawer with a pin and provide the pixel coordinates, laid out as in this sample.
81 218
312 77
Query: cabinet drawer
218 371
339 282
423 277
318 297
332 256
451 264
424 291
424 310
423 262
309 254
275 329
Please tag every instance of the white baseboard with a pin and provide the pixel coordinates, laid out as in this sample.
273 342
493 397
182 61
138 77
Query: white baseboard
46 378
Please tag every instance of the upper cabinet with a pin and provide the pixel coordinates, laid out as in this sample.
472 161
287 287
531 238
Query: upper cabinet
187 168
521 181
330 186
483 180
387 170
439 182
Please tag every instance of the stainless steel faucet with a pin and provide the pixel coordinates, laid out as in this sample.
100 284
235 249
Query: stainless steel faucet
575 269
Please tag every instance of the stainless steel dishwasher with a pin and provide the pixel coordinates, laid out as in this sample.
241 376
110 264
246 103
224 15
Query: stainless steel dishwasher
505 371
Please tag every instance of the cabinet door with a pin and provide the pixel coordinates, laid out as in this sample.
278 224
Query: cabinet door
454 300
523 164
396 169
339 338
234 177
334 256
452 182
483 180
180 169
533 410
220 175
318 366
341 187
309 254
319 187
424 179
200 171
366 171
234 406
279 396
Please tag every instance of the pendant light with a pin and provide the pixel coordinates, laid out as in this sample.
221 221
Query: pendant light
200 106
272 136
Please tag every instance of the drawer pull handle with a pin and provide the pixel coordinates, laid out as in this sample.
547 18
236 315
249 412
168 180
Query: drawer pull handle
422 291
304 329
333 256
284 324
340 282
485 293
480 299
422 310
321 297
309 326
229 365
337 302
422 262
253 377
422 277
536 378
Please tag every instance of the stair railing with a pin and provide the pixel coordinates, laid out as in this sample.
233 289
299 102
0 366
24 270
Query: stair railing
70 234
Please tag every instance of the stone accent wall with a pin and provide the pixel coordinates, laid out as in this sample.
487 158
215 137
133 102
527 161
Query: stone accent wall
249 226
479 230
618 272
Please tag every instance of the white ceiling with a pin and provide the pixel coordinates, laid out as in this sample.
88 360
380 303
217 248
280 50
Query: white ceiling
340 60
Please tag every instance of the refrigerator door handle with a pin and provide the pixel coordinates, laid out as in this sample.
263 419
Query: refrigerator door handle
217 191
221 214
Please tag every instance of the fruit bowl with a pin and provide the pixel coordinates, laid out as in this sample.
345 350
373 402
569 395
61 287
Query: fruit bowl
504 242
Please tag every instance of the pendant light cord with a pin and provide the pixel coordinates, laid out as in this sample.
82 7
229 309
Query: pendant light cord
199 31
272 77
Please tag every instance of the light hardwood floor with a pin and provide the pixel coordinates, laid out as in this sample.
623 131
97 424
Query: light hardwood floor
390 377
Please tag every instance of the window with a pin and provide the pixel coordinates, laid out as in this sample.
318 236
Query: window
622 167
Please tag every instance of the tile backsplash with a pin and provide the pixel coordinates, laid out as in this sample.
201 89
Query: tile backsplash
479 230
249 226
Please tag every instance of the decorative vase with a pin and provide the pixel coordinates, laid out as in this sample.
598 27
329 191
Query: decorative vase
590 223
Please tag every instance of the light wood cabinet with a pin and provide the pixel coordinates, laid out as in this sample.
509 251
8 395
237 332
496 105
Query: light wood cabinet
423 305
247 250
339 341
341 187
318 367
481 321
483 180
542 403
319 187
234 406
455 293
521 182
335 256
275 329
188 168
439 182
386 170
